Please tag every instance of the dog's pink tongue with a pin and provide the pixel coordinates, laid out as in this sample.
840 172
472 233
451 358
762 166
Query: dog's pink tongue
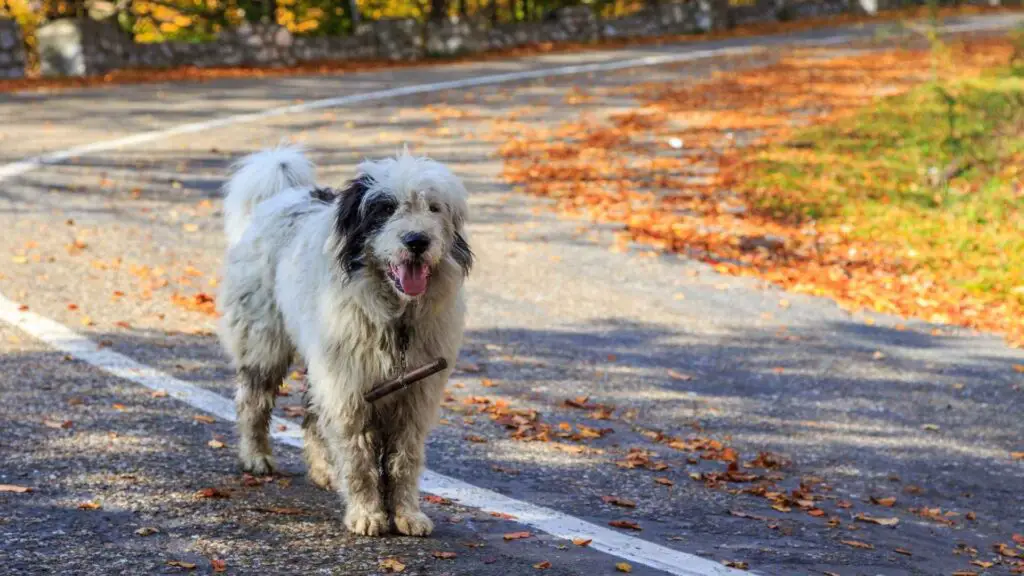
413 279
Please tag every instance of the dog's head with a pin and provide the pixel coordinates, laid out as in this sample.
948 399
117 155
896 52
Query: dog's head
404 218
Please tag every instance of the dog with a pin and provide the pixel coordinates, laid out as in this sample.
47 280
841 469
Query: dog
361 283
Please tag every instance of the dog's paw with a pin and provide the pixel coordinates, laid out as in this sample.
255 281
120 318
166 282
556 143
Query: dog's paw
366 523
320 476
414 523
257 464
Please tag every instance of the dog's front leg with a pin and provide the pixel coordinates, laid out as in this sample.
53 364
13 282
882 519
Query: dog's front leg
405 459
355 457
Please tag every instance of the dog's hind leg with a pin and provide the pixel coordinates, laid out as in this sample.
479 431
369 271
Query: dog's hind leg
254 400
314 449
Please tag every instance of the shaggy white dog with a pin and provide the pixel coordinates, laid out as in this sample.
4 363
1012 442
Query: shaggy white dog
361 283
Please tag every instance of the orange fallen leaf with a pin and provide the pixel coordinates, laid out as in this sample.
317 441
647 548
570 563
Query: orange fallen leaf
615 500
159 394
181 564
888 501
542 565
664 481
90 505
582 541
213 493
435 499
204 419
516 535
624 567
215 444
679 375
487 383
1019 539
119 407
14 488
503 515
476 438
816 512
875 520
903 551
628 524
738 564
983 564
858 544
442 555
391 565
1019 368
218 565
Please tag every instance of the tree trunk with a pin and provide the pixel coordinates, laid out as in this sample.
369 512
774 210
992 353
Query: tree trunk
438 10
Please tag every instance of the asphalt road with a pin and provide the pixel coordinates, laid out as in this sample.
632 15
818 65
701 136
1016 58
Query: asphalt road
115 244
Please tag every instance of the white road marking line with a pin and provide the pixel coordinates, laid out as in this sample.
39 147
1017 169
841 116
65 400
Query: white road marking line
35 162
557 524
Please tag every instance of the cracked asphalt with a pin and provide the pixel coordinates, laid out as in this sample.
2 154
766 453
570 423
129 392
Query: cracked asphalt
117 245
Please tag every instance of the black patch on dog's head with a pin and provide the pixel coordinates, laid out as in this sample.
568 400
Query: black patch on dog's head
357 221
325 195
462 254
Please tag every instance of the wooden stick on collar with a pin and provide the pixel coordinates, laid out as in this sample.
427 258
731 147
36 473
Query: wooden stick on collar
403 381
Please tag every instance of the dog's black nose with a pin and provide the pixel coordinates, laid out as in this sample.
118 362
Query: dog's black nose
416 242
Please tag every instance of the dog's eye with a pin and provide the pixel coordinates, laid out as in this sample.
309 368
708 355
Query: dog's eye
435 207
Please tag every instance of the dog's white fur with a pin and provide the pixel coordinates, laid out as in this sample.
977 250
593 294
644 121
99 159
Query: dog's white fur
290 287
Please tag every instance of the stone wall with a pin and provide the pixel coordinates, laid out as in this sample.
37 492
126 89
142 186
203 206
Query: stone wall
12 50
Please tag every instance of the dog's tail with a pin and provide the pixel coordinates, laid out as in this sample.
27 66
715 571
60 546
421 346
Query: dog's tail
258 177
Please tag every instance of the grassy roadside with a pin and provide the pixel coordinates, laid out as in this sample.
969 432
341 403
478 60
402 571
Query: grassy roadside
885 180
925 186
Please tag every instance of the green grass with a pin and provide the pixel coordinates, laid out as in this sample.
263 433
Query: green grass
935 174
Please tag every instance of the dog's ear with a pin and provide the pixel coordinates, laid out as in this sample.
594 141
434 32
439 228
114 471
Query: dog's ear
461 252
358 219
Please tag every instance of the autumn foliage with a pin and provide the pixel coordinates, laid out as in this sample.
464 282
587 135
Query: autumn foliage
690 169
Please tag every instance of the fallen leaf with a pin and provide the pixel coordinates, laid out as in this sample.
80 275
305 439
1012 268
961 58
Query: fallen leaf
736 564
159 394
146 531
58 424
180 564
204 419
215 444
629 524
1004 550
930 427
903 551
542 565
487 383
741 514
858 544
516 535
435 499
391 565
213 493
816 512
582 541
1019 539
983 564
1019 368
965 573
679 375
119 407
875 520
615 500
444 555
624 567
848 504
90 505
971 516
1017 455
280 510
218 565
888 501
476 438
503 515
15 489
664 481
